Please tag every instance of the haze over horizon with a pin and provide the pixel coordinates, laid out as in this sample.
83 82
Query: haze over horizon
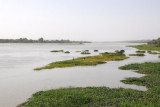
88 20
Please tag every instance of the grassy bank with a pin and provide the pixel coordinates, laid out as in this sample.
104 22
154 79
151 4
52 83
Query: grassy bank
150 52
85 61
103 96
147 47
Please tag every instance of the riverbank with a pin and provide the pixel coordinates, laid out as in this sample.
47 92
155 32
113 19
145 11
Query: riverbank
146 47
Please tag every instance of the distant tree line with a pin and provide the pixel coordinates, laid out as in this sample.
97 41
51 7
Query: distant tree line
40 40
155 42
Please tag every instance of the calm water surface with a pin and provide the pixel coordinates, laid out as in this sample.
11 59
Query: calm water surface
18 80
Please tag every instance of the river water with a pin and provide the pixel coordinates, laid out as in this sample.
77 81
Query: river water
18 80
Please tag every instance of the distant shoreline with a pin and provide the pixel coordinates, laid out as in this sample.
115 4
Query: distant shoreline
40 40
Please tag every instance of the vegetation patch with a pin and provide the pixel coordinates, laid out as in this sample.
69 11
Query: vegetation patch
147 47
103 96
78 51
95 50
85 52
140 51
57 51
86 61
151 52
136 55
70 63
66 52
153 45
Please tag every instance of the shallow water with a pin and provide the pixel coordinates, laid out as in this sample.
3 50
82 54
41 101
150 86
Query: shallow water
18 80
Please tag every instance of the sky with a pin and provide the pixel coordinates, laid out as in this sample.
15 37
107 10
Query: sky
90 20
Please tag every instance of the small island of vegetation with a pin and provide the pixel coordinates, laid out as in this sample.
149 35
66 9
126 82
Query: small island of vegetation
136 54
85 52
66 52
57 51
87 61
140 51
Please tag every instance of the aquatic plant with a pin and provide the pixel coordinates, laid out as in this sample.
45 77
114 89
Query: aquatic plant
136 55
95 50
140 51
57 51
66 52
78 51
85 52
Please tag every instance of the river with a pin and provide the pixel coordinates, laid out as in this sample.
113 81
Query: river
18 80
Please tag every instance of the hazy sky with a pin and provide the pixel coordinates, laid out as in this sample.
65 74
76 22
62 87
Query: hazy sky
93 20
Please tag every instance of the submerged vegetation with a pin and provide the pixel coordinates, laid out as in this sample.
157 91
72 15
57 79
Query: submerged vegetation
136 55
87 61
103 96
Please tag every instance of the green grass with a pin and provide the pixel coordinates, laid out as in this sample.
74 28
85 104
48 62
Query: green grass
147 47
85 61
70 63
103 96
136 54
